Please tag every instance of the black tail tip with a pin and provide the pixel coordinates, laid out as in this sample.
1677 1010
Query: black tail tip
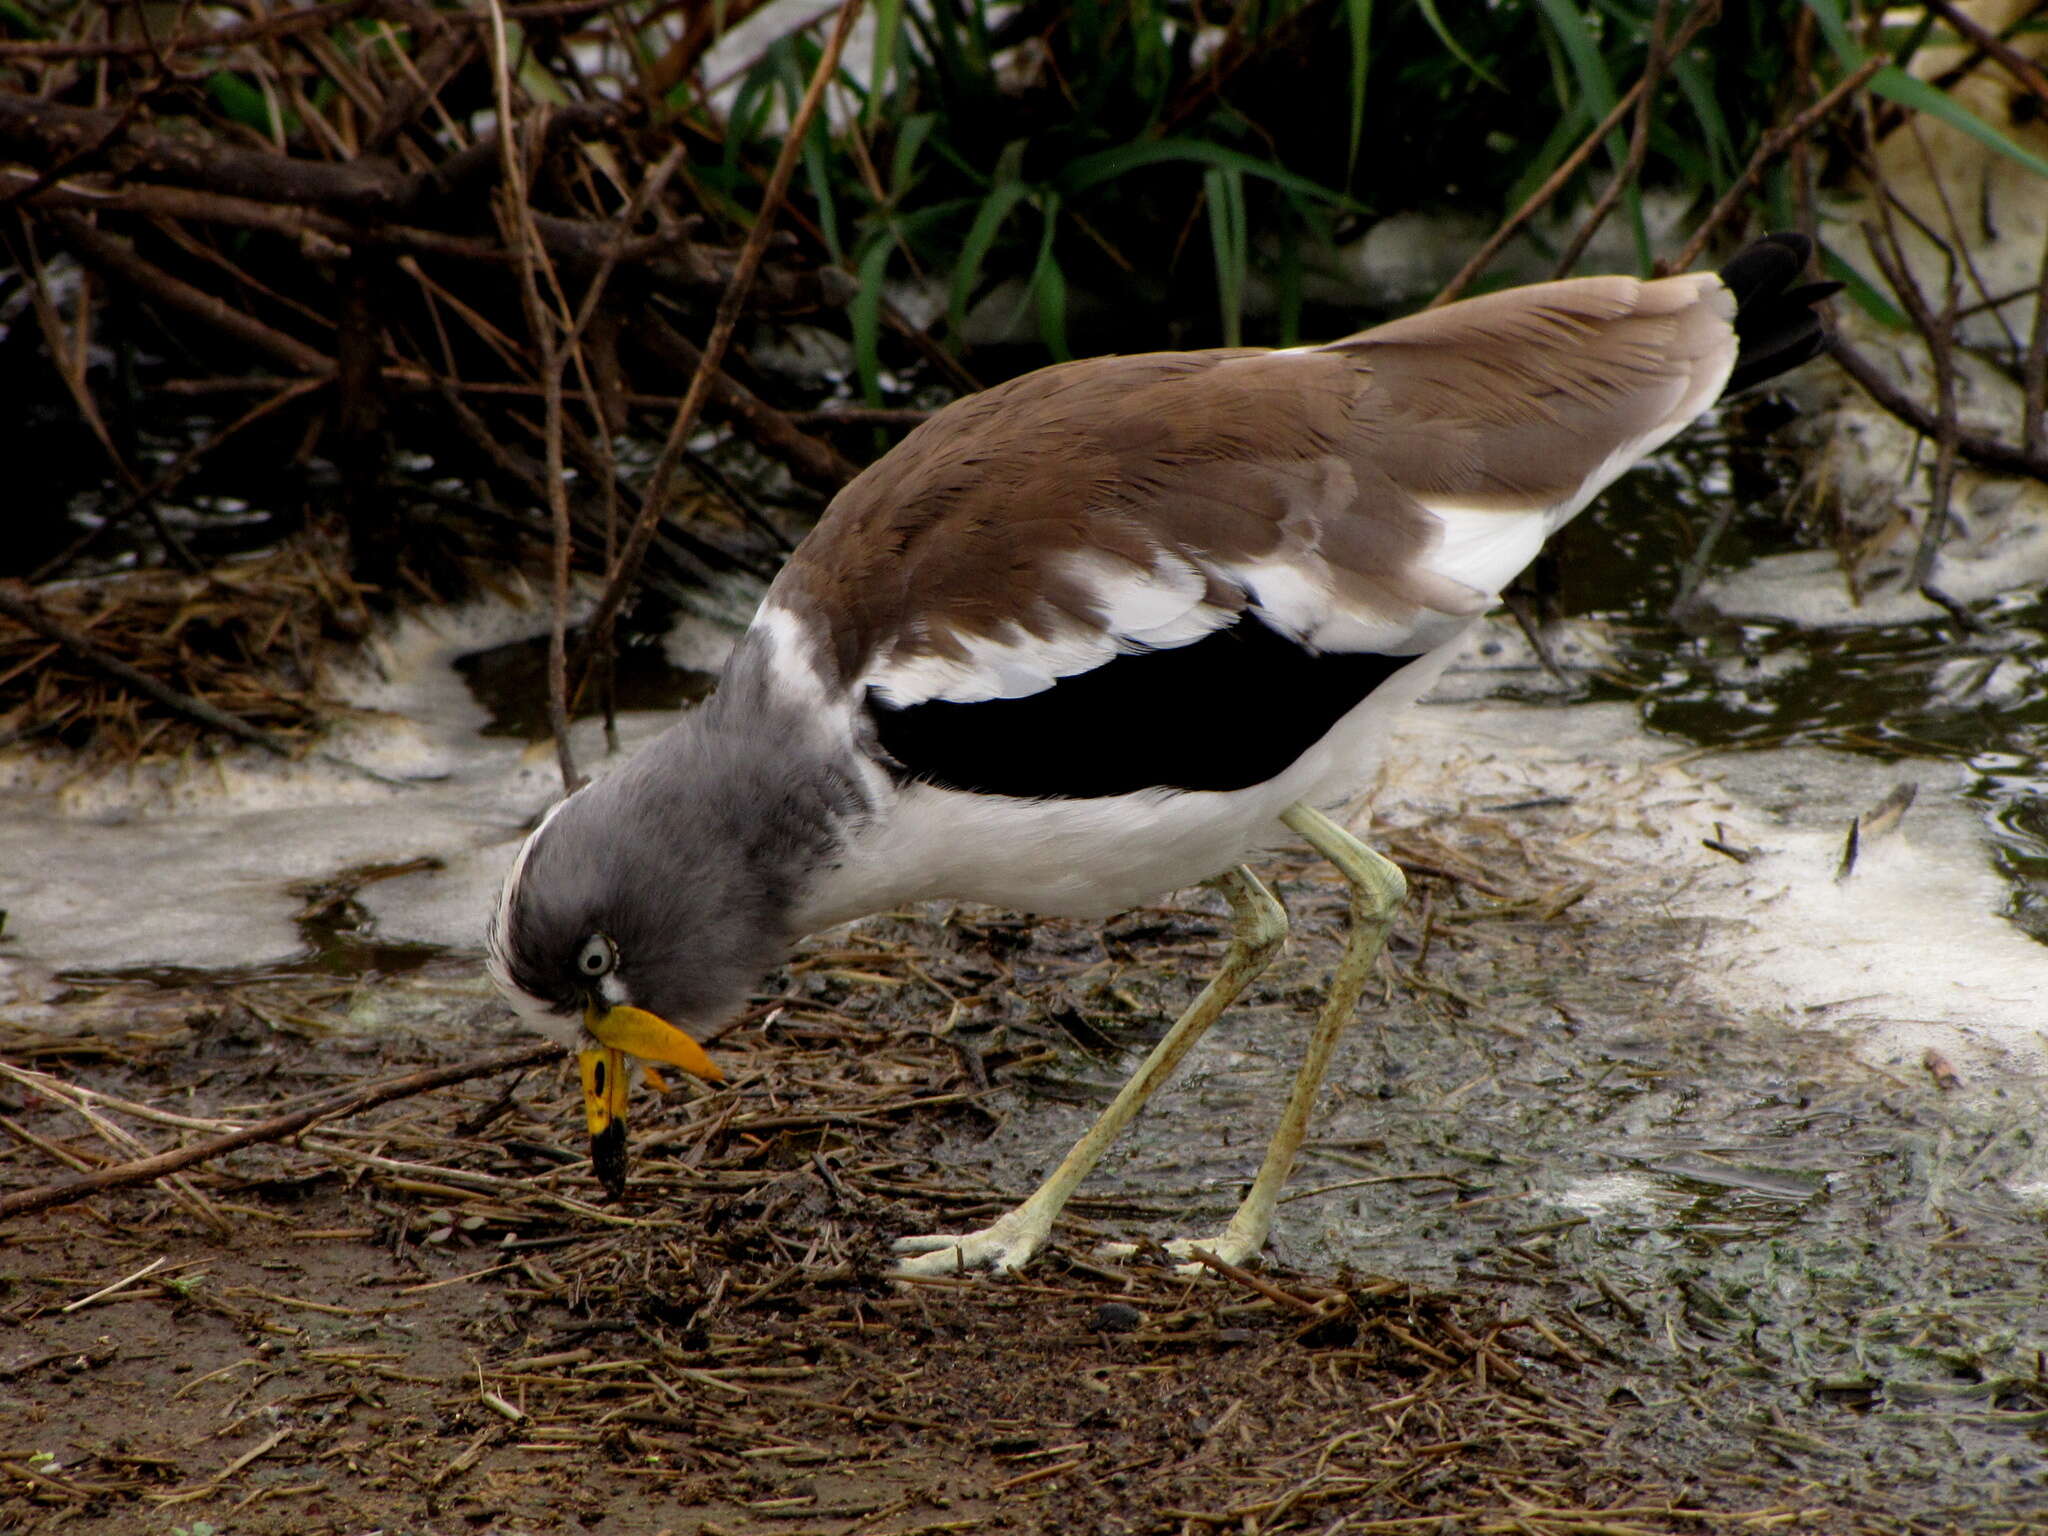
1776 325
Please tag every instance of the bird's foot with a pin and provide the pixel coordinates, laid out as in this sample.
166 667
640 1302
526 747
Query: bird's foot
1003 1247
1230 1247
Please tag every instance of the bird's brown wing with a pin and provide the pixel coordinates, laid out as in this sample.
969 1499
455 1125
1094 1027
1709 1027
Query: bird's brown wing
1365 496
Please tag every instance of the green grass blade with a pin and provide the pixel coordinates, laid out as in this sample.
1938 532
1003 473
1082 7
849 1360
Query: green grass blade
1698 91
888 15
1109 164
1588 67
1835 28
1450 41
751 104
1596 85
1230 240
865 312
1287 277
909 140
1358 20
981 239
818 172
1896 85
242 102
1049 285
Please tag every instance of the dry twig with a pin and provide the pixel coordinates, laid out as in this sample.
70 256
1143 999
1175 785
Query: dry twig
149 1169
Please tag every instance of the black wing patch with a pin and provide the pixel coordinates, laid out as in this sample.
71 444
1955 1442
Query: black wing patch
1233 709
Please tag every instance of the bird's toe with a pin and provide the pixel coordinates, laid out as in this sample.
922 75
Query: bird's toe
1229 1249
1001 1249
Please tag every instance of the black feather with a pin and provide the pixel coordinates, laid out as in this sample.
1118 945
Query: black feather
1233 709
1776 325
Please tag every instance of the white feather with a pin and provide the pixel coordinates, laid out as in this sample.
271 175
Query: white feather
1134 599
1292 595
1192 625
791 653
1008 667
534 1012
1484 549
1153 608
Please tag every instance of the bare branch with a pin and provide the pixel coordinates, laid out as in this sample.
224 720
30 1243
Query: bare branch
661 482
148 1170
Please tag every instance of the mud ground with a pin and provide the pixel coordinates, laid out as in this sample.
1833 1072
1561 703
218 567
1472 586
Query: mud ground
427 1319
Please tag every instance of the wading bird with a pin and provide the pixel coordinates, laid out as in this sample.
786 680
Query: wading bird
1100 633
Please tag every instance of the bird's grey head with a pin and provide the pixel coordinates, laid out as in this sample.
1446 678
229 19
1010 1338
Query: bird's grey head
668 885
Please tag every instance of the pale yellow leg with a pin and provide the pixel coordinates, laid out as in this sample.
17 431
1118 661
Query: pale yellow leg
1260 924
1377 891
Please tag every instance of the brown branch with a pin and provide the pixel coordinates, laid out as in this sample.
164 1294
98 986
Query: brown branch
1990 452
428 76
1775 143
111 257
1889 115
149 1169
597 634
702 25
1708 12
579 246
314 18
2015 63
2034 370
1938 332
1654 65
811 459
42 133
481 159
860 416
551 330
1255 1284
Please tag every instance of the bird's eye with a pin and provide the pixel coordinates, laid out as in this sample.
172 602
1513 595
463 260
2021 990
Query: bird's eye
597 957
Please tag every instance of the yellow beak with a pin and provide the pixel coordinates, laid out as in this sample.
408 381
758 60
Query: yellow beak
622 1031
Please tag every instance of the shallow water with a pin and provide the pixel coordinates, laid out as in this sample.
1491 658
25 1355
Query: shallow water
1894 692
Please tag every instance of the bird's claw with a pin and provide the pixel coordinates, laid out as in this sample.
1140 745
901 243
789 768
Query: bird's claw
1230 1249
1002 1248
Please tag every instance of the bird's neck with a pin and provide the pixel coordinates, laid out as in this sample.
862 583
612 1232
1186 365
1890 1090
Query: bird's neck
788 765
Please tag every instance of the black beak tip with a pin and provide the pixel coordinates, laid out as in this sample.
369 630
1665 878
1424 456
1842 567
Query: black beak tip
608 1158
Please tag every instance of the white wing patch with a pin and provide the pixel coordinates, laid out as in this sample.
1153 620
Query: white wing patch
790 653
1154 607
1134 600
1485 549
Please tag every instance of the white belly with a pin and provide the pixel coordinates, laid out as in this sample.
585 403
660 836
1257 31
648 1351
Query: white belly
1092 858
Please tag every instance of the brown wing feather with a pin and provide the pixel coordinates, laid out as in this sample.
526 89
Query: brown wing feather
1328 461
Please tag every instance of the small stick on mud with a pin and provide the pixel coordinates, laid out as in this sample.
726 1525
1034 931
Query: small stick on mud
149 1169
1252 1282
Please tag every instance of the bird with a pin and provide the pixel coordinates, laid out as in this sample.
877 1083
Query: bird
1105 632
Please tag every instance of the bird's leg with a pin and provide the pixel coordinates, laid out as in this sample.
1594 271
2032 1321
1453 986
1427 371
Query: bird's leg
1377 890
1259 926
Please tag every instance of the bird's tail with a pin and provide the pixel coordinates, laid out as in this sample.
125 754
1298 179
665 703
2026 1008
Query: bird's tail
1776 325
